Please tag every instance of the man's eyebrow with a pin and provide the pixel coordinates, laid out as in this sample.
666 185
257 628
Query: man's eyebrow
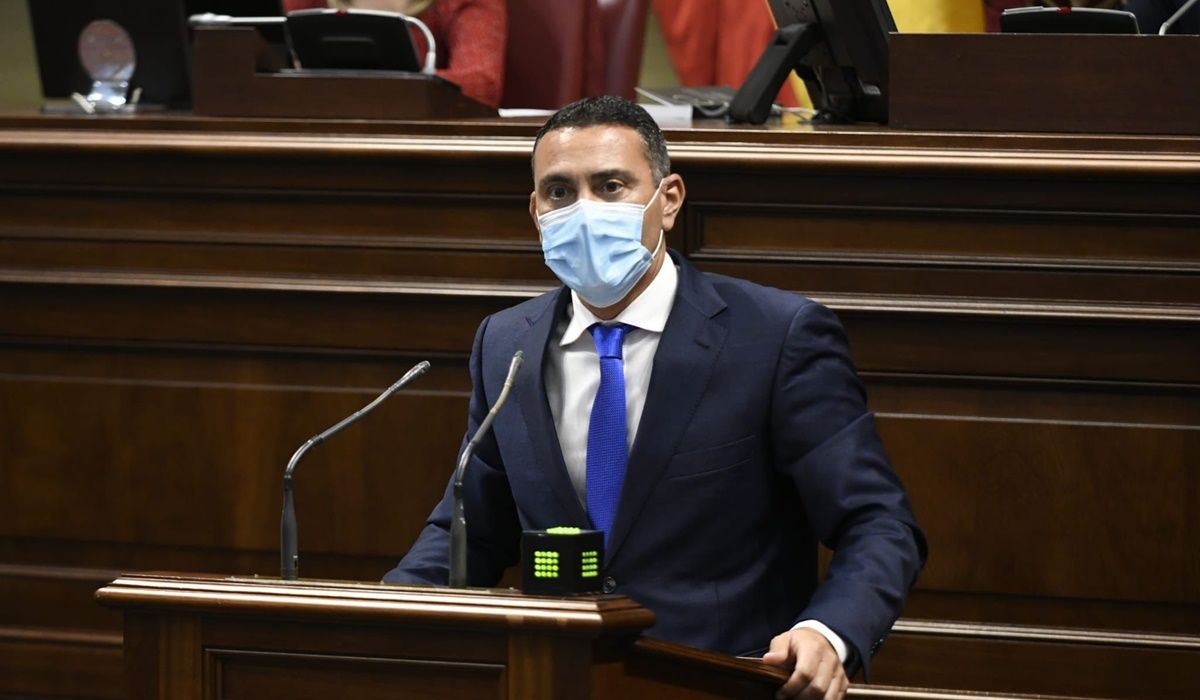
618 173
553 179
598 176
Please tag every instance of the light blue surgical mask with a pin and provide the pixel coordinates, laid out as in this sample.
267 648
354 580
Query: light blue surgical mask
596 249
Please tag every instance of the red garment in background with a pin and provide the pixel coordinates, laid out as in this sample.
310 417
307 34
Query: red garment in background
556 53
717 42
471 37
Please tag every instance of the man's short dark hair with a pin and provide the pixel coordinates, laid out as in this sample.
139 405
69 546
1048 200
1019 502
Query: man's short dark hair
614 111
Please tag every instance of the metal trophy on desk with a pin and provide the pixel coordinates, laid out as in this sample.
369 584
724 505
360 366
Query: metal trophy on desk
107 53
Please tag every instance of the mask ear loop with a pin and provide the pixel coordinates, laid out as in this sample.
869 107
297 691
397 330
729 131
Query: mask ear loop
662 235
654 196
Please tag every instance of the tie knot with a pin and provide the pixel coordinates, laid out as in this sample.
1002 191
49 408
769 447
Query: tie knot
609 339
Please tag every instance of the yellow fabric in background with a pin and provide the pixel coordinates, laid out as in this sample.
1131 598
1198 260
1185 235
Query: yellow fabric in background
931 16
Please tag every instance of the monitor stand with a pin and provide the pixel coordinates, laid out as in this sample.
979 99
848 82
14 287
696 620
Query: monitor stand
788 47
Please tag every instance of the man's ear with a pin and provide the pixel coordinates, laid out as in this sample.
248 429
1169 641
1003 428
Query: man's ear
533 214
673 194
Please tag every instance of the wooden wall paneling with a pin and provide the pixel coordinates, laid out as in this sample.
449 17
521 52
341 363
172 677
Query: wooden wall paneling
215 451
1118 345
182 303
36 662
1098 615
944 236
1062 255
294 233
1066 462
1052 485
54 596
1046 660
248 313
937 176
244 674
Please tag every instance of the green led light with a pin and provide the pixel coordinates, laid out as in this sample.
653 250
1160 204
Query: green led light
563 531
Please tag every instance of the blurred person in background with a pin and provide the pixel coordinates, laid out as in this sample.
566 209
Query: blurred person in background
471 36
717 42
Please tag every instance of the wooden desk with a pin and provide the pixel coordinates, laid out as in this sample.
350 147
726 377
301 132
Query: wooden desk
183 301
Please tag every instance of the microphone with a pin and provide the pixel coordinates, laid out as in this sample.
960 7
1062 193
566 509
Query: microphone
458 524
289 557
1166 26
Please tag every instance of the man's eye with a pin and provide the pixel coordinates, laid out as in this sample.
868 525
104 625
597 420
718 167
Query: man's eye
612 187
557 192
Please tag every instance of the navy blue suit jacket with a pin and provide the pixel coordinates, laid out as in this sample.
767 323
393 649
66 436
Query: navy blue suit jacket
755 444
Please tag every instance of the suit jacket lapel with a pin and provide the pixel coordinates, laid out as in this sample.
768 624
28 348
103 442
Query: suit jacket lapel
687 352
539 421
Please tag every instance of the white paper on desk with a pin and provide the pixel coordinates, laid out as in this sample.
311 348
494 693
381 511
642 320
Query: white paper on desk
518 113
667 116
671 116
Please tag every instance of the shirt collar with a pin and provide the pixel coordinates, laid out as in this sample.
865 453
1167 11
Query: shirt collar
648 312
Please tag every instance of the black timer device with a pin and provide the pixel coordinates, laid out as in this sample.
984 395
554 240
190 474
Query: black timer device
561 561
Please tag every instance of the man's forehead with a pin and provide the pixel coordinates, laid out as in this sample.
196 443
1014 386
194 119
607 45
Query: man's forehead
590 149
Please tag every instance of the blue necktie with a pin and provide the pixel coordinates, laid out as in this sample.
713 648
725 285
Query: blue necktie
607 453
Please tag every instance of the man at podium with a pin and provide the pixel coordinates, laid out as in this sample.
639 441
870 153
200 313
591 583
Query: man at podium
713 429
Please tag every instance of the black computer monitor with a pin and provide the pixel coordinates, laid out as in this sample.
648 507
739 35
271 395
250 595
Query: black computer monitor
353 40
159 40
160 37
1067 20
838 47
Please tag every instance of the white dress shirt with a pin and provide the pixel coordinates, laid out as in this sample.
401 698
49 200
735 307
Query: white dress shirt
573 368
572 377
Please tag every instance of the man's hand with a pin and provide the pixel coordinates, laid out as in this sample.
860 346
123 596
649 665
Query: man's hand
817 671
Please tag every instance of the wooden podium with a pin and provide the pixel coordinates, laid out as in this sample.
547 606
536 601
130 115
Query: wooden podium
210 638
236 75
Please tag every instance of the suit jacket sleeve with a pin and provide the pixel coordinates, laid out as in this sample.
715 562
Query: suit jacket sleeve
493 530
825 440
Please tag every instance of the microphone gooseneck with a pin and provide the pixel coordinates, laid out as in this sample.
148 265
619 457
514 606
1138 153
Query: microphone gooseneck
1166 26
289 553
458 523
